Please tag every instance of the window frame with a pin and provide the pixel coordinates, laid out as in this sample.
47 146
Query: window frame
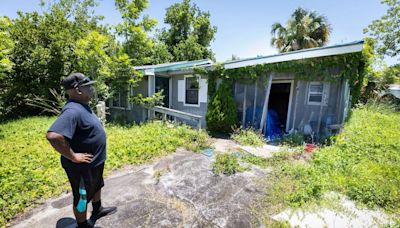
198 91
128 105
309 93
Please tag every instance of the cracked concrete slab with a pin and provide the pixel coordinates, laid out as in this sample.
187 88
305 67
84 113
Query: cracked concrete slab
178 190
228 145
345 214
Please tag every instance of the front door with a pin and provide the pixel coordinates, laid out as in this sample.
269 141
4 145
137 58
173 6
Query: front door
162 83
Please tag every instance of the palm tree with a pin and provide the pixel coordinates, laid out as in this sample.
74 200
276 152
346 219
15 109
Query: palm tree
305 29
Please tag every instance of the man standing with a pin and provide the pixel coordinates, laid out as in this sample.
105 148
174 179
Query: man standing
79 137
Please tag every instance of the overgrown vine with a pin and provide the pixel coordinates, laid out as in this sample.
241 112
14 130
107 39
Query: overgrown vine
330 68
350 67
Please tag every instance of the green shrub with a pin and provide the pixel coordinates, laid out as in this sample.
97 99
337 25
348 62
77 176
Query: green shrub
248 137
30 169
221 112
227 164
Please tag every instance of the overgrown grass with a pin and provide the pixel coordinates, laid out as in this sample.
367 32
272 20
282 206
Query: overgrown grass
248 136
227 164
363 163
30 169
293 140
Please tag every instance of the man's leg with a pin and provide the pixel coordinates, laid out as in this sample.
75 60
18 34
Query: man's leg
74 179
98 210
96 202
97 196
80 217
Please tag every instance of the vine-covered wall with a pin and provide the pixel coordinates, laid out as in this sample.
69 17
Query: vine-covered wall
351 67
330 68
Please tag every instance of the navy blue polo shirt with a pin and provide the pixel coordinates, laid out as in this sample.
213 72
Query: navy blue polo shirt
84 132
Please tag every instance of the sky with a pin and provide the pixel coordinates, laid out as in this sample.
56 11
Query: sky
244 26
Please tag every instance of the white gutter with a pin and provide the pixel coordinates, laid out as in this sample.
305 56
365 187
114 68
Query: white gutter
297 55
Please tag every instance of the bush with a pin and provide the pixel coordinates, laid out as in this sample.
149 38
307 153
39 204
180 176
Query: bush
227 164
221 114
248 137
30 169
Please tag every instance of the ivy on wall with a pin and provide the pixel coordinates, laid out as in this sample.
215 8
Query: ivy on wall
351 67
330 68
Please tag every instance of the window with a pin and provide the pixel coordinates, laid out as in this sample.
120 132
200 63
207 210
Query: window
120 100
315 93
192 90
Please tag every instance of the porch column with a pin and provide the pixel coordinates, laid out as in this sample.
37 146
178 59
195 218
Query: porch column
265 107
244 106
298 83
255 103
151 86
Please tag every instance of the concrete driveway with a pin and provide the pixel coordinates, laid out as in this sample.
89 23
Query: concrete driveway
178 190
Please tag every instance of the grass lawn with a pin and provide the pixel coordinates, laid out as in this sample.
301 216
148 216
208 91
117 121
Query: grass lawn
30 169
363 163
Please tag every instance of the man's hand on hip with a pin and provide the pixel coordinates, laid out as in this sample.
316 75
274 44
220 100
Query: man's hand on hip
82 158
59 143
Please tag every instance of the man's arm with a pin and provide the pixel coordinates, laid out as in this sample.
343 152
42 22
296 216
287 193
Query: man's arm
62 146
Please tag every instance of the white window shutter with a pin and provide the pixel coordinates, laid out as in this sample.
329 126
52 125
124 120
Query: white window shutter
181 90
203 90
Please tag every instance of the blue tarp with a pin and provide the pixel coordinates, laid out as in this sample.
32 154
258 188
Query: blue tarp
273 131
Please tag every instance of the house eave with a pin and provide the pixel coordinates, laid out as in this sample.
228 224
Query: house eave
297 55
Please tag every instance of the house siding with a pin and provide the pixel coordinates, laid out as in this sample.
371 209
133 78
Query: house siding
177 105
134 113
332 113
300 115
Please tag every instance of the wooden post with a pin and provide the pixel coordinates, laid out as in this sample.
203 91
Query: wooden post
101 112
244 106
255 103
199 124
164 116
321 107
295 105
339 101
324 101
265 107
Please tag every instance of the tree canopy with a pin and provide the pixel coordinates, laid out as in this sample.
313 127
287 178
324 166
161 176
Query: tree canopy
386 30
304 29
6 46
190 32
39 49
48 46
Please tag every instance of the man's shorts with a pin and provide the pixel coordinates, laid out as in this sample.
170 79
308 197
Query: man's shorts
92 177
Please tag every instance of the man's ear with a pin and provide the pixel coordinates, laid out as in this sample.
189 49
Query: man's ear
78 90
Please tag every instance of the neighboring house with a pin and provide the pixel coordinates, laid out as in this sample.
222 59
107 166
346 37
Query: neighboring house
296 102
394 90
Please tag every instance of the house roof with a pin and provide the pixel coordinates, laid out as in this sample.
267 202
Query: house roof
296 55
340 49
165 67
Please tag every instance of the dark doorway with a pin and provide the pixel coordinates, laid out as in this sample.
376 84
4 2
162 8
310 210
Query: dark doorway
163 84
279 103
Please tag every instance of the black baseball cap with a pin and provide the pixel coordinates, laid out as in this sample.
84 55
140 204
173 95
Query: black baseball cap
76 79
